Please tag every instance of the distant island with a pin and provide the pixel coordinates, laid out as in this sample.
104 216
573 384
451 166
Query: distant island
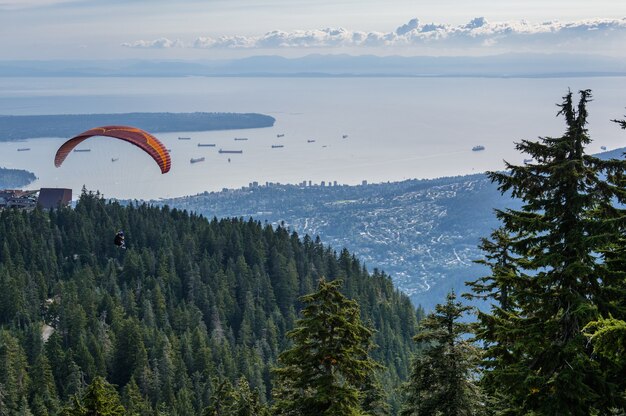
15 178
67 125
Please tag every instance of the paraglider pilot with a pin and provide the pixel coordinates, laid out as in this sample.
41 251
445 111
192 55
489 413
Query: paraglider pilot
119 239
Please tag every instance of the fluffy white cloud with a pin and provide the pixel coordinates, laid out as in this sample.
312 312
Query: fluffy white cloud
477 33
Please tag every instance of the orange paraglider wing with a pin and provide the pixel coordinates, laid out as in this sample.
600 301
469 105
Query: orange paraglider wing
138 137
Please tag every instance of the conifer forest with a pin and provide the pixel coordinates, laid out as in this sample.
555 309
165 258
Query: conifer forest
207 316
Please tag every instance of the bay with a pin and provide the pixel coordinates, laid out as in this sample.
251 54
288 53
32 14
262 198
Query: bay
396 128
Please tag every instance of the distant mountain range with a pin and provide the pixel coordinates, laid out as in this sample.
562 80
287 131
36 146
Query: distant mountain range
506 65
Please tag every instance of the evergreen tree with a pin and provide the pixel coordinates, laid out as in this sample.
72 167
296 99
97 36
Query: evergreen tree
100 399
323 372
443 380
246 402
608 335
220 400
14 377
555 279
236 401
134 402
374 398
43 389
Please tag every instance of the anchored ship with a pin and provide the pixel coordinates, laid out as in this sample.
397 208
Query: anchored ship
478 148
206 144
196 160
230 151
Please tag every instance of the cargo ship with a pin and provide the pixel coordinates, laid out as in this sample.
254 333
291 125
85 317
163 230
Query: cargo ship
230 151
196 160
82 150
184 138
23 149
206 144
277 146
241 138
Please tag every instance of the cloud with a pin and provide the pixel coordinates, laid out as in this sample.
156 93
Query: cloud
161 43
478 33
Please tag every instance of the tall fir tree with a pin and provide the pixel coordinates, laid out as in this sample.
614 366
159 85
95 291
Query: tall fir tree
608 335
99 399
444 377
537 361
322 374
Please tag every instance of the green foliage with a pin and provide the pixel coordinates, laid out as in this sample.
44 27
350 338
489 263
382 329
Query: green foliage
100 399
555 267
323 372
443 380
236 401
190 301
14 377
608 337
134 402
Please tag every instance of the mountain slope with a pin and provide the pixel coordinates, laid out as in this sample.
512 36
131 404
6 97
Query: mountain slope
424 233
190 302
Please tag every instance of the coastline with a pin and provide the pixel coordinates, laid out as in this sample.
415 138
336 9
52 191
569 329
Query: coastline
21 127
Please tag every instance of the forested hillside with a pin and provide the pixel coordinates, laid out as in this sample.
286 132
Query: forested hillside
189 304
67 125
15 178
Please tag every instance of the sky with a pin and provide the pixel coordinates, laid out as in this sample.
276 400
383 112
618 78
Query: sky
216 29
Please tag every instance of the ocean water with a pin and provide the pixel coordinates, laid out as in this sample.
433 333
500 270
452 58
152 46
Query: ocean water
397 128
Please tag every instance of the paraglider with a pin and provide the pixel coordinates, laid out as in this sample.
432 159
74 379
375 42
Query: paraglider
138 137
119 239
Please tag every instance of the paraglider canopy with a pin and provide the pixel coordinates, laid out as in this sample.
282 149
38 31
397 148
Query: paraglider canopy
134 135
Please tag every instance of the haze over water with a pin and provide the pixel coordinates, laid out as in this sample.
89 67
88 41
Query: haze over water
398 128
